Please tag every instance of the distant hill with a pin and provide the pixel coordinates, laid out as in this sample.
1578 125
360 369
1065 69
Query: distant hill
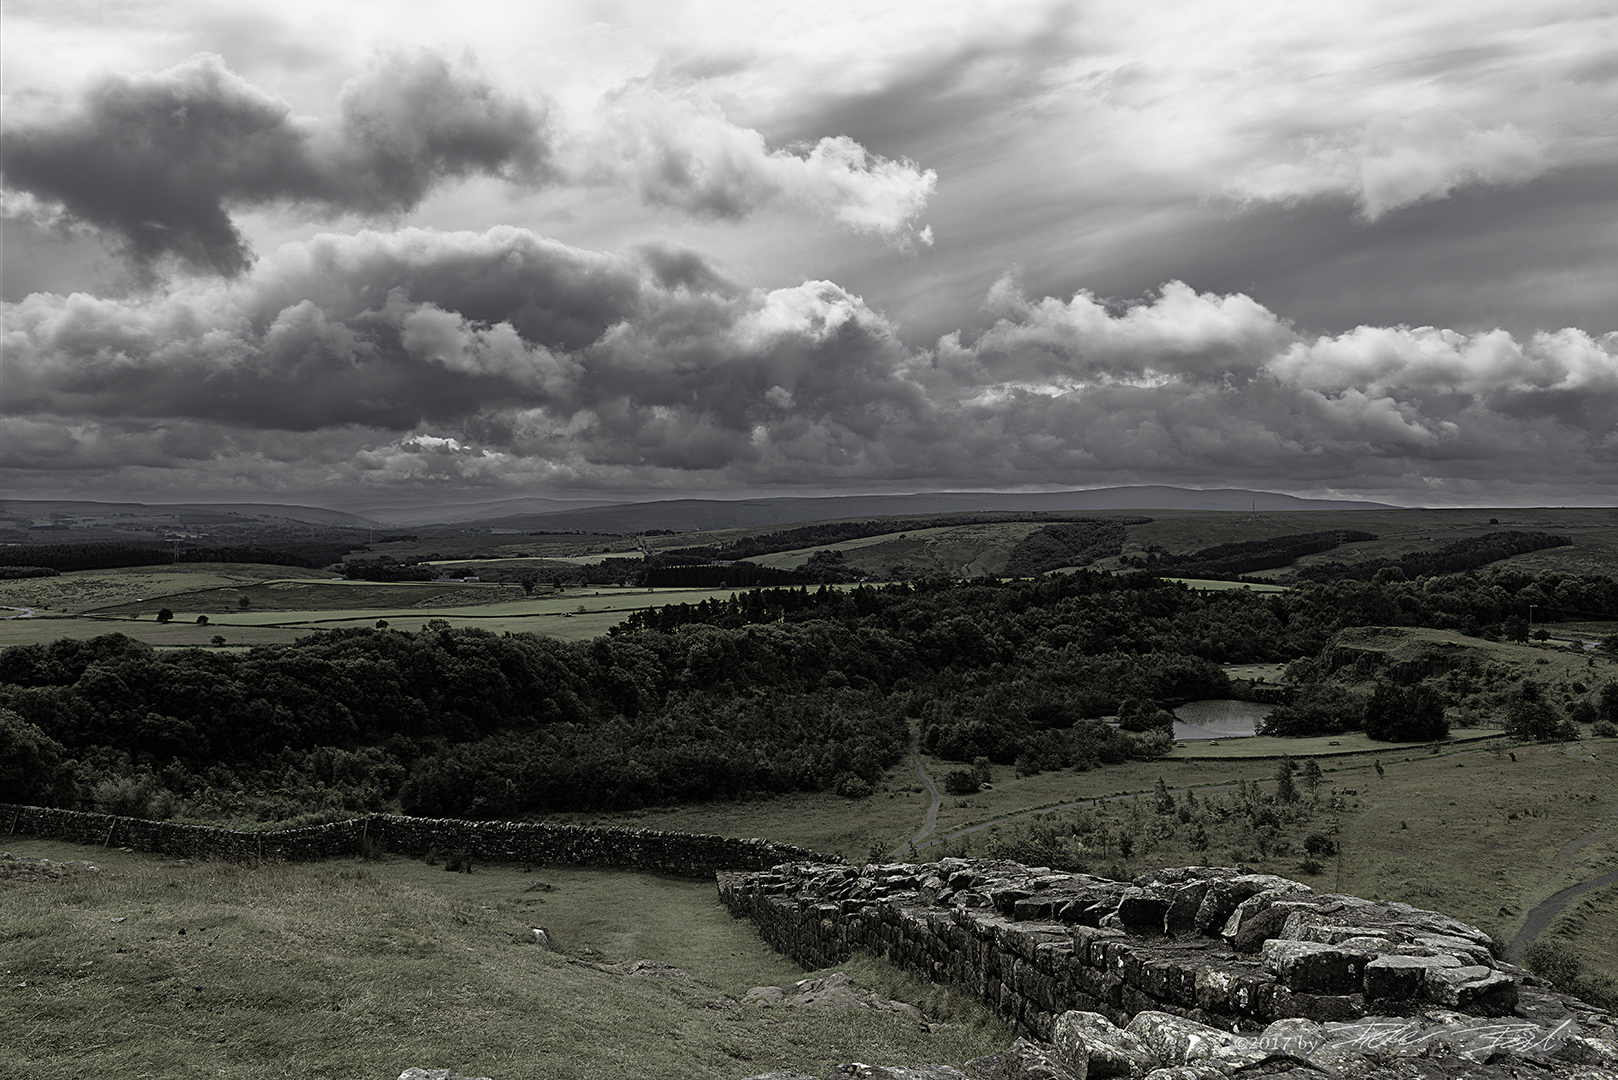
44 520
431 512
689 515
58 521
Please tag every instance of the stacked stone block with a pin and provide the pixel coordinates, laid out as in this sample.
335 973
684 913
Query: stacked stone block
1218 946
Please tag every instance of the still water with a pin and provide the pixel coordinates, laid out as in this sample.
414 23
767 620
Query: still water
1219 718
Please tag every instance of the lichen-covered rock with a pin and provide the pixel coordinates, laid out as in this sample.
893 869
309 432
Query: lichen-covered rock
1475 989
1296 1037
1309 967
1104 1048
1188 1072
1174 1040
1264 915
1401 977
858 1071
1024 1060
1225 895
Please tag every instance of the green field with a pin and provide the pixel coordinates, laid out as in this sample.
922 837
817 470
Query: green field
957 550
281 608
163 969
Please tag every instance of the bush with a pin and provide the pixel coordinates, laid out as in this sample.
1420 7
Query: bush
1319 709
854 787
1553 959
961 782
1604 729
136 798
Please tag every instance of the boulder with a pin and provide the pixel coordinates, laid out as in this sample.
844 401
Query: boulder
1225 895
1141 911
1184 904
1103 1048
1174 1040
1025 1060
1264 915
1296 1037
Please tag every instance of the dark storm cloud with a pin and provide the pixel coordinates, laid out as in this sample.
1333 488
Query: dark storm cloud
502 358
160 159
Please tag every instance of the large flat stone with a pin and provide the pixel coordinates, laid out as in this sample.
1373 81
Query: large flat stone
1309 967
1401 978
1475 989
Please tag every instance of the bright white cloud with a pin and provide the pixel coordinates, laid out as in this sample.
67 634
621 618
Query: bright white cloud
1398 161
680 150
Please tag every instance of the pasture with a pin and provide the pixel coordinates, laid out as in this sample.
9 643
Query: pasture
282 606
169 969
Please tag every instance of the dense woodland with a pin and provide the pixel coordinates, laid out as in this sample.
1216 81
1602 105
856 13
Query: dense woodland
774 690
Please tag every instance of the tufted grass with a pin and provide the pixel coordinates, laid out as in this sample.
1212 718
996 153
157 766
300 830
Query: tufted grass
355 970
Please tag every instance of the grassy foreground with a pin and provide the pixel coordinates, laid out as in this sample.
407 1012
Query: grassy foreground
160 969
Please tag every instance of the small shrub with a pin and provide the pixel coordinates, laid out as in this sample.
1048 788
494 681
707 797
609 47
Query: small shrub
432 858
1553 959
854 787
961 782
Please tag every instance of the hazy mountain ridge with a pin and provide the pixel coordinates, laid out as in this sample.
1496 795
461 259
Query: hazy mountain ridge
686 515
539 514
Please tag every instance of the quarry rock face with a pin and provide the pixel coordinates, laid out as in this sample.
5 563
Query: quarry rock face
1186 974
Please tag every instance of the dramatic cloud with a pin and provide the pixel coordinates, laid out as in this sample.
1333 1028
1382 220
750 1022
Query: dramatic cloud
162 160
159 160
1351 248
681 151
1395 162
501 358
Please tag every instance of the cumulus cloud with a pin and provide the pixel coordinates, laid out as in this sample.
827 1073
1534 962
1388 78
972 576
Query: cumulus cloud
503 340
160 160
502 358
1398 161
680 150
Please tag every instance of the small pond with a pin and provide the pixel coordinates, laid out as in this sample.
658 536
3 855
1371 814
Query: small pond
1219 718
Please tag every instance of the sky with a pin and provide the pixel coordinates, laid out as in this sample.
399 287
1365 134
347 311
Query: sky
347 253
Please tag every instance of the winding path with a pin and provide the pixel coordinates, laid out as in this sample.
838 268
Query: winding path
1541 917
931 822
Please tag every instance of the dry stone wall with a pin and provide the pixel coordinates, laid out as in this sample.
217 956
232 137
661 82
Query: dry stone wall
1234 950
683 854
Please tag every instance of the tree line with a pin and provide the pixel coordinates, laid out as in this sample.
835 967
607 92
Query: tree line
769 690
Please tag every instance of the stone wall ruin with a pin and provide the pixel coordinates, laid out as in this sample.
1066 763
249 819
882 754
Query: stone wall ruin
1219 946
696 855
